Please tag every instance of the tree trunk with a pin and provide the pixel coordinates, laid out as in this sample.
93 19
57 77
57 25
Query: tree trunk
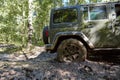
30 26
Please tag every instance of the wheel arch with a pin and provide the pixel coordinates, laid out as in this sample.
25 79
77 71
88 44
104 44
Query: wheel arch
66 35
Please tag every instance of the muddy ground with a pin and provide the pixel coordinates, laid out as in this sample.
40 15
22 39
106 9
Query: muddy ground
40 65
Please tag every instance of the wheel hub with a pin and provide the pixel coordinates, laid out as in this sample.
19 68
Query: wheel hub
71 51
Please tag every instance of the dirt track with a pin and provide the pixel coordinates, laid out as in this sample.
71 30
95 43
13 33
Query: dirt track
42 66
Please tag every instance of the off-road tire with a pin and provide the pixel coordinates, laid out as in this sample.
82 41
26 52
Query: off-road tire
71 50
45 38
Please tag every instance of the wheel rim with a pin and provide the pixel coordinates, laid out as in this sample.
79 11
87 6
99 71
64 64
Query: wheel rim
71 52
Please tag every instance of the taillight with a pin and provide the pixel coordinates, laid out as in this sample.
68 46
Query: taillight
46 33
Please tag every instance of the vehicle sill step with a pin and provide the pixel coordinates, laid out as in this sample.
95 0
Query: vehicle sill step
107 50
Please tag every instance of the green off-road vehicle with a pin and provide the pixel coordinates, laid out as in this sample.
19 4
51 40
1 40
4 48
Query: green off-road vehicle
76 31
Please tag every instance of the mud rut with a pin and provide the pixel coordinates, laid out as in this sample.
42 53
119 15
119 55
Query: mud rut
44 67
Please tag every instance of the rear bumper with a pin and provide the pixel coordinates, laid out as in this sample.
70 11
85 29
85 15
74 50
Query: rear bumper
49 47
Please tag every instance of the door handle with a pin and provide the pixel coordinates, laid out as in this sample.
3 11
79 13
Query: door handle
90 26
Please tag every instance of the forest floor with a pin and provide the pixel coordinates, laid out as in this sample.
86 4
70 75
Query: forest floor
40 65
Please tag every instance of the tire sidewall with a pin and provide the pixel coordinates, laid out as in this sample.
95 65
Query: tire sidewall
71 41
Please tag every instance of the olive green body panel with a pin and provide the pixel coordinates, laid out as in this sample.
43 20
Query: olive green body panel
70 34
59 28
102 34
98 34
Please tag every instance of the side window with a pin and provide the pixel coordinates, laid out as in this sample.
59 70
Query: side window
117 9
95 13
98 12
65 15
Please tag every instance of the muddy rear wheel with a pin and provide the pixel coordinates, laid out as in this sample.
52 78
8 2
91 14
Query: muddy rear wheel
71 50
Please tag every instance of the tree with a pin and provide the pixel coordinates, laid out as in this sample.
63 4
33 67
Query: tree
13 21
30 21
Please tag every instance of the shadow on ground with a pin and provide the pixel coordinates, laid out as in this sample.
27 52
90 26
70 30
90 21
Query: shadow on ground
44 67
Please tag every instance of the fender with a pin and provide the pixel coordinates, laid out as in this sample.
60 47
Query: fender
70 33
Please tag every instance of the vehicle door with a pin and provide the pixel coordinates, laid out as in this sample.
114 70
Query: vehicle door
97 25
116 22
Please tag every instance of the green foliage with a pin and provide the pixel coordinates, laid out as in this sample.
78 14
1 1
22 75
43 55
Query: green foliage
13 24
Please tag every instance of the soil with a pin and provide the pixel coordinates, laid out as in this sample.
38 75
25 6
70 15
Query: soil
41 65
